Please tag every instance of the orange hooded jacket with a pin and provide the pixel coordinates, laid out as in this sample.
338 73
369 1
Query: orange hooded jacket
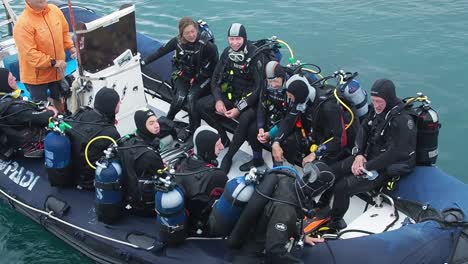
41 36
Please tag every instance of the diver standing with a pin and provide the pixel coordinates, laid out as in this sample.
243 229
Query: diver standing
195 58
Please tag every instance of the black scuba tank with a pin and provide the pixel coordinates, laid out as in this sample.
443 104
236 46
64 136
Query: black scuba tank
427 135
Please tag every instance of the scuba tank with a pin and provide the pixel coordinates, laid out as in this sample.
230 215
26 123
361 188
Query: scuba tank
428 131
57 152
109 195
354 93
205 32
227 210
170 206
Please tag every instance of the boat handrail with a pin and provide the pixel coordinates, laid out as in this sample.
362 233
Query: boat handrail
51 216
10 14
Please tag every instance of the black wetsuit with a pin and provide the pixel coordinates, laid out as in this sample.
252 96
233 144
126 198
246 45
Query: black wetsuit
201 183
320 121
270 110
272 231
194 64
88 123
21 122
388 143
141 160
232 82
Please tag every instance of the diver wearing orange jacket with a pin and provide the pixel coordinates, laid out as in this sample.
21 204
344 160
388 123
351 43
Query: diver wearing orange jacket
42 36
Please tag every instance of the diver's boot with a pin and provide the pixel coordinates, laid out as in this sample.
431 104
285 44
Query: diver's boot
35 151
252 163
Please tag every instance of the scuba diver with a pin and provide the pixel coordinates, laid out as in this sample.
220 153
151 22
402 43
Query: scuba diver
385 148
270 111
195 58
87 124
237 76
277 208
22 123
141 160
319 120
201 182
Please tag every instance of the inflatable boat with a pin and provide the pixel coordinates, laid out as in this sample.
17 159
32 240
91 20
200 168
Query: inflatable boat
421 220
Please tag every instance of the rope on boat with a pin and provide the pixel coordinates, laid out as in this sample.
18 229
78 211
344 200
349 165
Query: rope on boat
50 215
156 80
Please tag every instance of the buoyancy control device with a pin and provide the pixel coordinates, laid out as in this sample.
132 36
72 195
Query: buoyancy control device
57 152
108 184
170 206
428 125
227 210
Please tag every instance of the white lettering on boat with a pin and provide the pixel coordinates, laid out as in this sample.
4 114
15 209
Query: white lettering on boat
18 174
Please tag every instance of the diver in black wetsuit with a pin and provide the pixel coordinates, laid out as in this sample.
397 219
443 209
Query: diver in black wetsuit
270 219
235 79
385 144
22 123
317 118
260 125
195 58
199 178
89 123
141 160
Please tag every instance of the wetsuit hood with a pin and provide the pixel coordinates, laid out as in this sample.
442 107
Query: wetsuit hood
238 30
140 118
106 101
301 89
204 141
4 86
273 70
385 89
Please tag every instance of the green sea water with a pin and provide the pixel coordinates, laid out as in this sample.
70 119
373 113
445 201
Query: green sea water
421 45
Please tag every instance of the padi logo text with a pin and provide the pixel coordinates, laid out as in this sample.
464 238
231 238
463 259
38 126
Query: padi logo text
281 227
19 175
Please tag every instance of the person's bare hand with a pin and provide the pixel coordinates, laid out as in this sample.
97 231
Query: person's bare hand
313 240
277 152
73 53
262 136
61 65
53 109
309 158
220 107
358 165
232 113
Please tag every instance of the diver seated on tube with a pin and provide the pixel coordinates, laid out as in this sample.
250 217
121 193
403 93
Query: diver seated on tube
258 123
238 74
141 160
202 183
315 118
385 148
88 123
22 123
270 229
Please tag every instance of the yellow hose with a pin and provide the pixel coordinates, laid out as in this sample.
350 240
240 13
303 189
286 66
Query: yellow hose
91 142
287 46
313 147
418 98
